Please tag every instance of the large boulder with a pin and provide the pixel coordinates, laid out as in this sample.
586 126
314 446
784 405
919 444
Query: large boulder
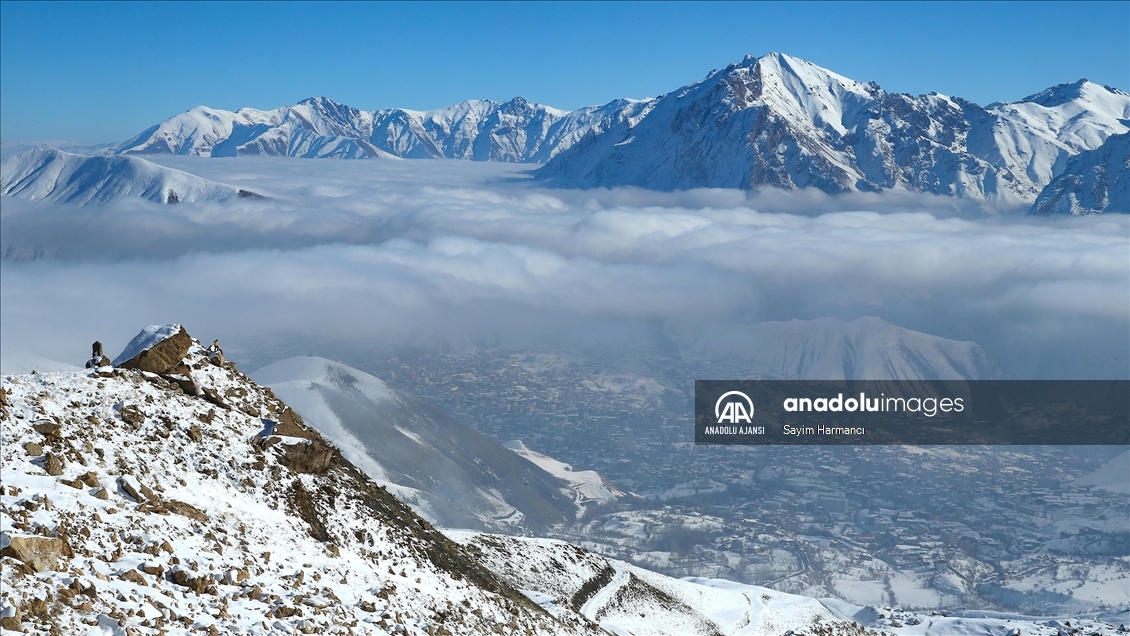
41 554
157 349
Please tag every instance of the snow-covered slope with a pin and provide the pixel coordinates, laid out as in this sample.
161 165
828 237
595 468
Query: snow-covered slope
867 348
1094 182
588 486
1114 476
55 176
570 582
452 473
129 507
482 130
783 122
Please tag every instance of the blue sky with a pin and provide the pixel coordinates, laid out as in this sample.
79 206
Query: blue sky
99 72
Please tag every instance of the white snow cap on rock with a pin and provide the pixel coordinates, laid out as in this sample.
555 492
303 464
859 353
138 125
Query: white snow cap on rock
148 337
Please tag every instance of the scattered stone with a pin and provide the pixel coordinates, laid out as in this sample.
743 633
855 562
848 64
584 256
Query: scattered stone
33 449
211 396
182 377
90 479
194 434
185 510
102 494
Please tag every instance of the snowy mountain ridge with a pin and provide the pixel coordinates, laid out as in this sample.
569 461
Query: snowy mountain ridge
47 174
770 121
782 122
318 127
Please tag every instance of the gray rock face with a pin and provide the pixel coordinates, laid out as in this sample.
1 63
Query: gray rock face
1094 182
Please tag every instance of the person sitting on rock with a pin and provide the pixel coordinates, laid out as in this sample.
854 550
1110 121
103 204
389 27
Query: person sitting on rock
97 359
216 354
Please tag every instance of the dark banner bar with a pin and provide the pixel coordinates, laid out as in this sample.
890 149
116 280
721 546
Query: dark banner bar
1045 412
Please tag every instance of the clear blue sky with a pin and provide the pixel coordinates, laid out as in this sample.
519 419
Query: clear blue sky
97 72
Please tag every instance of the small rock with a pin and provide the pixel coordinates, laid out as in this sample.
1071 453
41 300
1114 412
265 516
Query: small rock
133 576
102 494
156 569
33 449
53 465
90 479
139 492
47 428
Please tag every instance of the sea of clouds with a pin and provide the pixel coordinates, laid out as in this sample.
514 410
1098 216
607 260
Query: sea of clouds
463 255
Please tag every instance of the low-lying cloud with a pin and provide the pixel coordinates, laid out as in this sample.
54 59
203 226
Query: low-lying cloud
469 254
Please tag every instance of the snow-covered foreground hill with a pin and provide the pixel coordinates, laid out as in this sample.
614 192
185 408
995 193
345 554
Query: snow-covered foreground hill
129 506
173 495
454 475
54 176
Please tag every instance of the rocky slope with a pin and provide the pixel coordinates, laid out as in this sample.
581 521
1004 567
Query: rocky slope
454 475
571 582
51 175
147 502
1094 182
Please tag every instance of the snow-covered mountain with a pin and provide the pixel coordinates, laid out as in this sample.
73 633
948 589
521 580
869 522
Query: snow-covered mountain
867 348
1094 182
587 486
774 121
1113 475
453 474
783 122
51 175
482 130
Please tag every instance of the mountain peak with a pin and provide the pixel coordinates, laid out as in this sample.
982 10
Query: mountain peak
1060 93
320 101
